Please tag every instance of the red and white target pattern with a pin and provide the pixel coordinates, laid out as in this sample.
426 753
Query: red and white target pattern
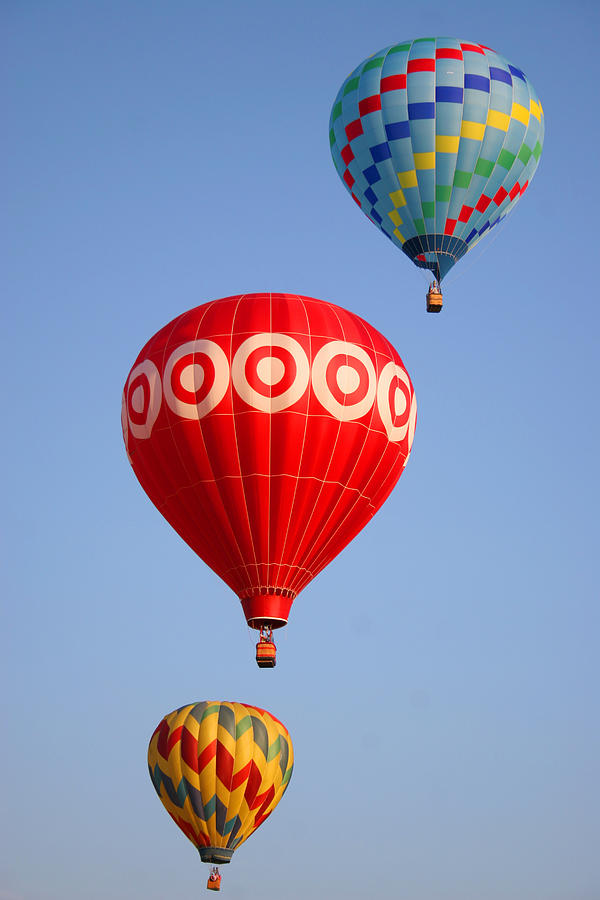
268 429
142 399
271 372
196 378
344 380
397 404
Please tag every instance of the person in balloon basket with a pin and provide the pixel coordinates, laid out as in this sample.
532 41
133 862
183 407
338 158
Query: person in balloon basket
214 880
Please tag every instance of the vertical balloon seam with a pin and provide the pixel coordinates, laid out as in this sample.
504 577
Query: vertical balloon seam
238 565
316 561
280 565
243 754
270 423
207 776
307 557
475 218
424 246
176 765
241 564
252 814
237 448
435 243
196 713
454 244
181 493
238 831
246 811
367 335
409 201
295 561
216 481
313 566
184 493
422 182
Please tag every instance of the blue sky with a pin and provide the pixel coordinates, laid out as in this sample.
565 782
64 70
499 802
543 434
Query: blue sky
439 679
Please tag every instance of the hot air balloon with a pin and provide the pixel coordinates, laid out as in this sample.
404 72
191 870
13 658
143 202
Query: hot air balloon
268 429
220 769
436 139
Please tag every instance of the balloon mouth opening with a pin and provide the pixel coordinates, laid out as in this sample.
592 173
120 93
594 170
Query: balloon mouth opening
218 856
258 623
268 609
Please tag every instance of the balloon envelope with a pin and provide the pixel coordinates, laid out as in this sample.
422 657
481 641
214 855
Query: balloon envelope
220 769
436 139
268 429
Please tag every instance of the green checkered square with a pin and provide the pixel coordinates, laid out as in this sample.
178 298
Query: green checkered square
506 159
525 154
484 167
376 63
462 179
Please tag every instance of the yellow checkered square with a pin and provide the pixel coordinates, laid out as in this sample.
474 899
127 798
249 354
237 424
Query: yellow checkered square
498 120
407 179
424 160
446 143
535 109
473 130
397 197
519 113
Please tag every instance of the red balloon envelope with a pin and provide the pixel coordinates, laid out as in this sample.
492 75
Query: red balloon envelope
268 429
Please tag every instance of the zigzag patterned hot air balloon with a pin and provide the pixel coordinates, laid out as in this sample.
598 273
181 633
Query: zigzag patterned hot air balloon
436 139
220 769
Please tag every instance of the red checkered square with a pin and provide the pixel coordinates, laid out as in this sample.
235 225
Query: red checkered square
483 203
420 65
347 154
393 83
348 178
474 48
499 196
354 129
369 105
465 214
448 53
450 226
515 191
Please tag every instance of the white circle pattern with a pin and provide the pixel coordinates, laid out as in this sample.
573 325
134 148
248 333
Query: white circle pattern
267 402
348 352
133 399
350 362
217 390
387 414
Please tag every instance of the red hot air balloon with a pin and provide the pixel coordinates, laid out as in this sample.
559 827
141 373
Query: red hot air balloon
268 429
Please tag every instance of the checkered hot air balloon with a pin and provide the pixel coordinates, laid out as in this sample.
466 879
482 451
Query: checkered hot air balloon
436 139
220 769
268 429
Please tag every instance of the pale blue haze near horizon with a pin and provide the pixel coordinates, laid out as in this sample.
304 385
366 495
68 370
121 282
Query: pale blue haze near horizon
440 678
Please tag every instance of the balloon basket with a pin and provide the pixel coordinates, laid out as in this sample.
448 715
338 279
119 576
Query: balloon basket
265 654
213 883
434 301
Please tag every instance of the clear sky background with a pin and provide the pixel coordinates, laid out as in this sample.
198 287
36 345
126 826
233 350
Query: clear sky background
440 677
